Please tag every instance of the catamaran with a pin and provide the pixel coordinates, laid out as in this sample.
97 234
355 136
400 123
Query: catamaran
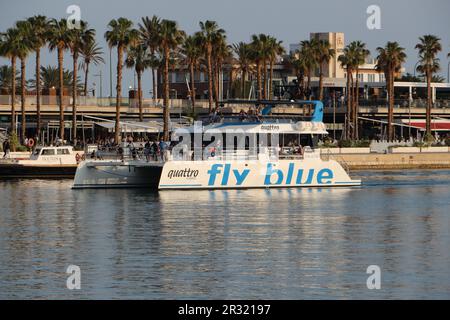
254 150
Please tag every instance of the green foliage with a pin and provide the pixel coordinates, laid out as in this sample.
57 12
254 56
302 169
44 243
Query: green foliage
447 141
345 143
429 139
419 144
21 148
328 143
14 141
354 143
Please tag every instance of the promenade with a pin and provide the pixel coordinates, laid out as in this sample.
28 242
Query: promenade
376 161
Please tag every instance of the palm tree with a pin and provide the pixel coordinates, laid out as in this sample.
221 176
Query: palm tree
264 55
25 31
221 52
429 46
5 78
139 58
121 35
10 46
323 53
59 39
347 60
257 49
360 53
210 31
170 37
90 53
149 33
308 60
79 38
244 58
297 64
276 50
390 59
40 25
49 76
192 52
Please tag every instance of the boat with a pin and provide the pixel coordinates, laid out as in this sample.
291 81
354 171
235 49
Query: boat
44 162
256 155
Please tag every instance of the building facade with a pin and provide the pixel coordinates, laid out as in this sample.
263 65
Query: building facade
333 68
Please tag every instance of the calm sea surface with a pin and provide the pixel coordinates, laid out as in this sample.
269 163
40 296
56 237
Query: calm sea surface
251 244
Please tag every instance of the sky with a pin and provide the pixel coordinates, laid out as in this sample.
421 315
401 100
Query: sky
289 20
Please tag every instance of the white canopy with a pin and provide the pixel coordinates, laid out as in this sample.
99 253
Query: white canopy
301 127
137 127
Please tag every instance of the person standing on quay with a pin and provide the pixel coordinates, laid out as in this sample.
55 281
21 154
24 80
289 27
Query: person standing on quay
162 149
6 149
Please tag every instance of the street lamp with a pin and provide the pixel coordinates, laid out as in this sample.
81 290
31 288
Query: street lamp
101 82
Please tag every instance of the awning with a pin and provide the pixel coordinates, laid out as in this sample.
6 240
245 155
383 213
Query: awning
436 125
137 127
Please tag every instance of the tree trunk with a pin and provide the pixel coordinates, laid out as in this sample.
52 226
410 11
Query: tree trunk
216 83
391 106
118 93
356 107
210 80
308 85
139 78
38 93
154 81
321 81
86 79
13 98
74 96
265 79
192 86
61 93
154 84
22 99
244 73
258 79
271 80
166 94
352 106
429 102
349 104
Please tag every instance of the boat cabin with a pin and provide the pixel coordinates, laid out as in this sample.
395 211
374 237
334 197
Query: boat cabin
54 155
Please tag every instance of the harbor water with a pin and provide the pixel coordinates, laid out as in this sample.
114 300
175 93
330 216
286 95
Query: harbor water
234 244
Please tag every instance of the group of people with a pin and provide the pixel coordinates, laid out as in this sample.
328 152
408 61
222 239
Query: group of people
152 150
215 115
251 115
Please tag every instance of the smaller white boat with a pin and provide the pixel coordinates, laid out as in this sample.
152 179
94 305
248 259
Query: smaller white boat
44 162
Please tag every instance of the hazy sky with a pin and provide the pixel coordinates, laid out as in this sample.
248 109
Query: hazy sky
289 20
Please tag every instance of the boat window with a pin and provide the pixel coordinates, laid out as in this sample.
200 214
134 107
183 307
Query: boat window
63 151
48 152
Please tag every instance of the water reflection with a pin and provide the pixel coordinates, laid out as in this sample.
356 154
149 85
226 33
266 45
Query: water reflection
279 243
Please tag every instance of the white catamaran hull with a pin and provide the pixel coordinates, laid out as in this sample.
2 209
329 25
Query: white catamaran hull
254 174
117 174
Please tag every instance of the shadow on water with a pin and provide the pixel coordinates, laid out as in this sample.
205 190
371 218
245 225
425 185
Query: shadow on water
254 244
